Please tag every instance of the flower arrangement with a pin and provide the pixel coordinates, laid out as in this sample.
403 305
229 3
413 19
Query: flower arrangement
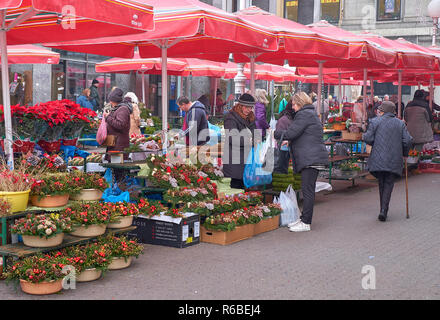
121 247
44 225
84 180
189 194
93 255
87 214
350 166
54 184
118 210
38 268
413 153
227 221
17 180
271 210
150 208
5 208
337 119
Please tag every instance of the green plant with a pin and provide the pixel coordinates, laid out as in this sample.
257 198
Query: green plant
350 166
89 256
84 180
55 184
121 247
87 214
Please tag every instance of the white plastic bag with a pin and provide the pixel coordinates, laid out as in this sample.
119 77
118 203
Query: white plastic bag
321 186
273 123
289 205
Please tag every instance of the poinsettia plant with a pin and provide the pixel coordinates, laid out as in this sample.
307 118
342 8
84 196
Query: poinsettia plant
43 225
87 214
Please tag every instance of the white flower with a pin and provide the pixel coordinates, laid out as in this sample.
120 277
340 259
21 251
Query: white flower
209 206
265 209
218 173
202 174
40 226
193 193
48 232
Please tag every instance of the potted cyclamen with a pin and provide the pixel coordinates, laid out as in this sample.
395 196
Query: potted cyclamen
52 191
90 260
42 231
122 251
92 186
39 274
88 219
121 213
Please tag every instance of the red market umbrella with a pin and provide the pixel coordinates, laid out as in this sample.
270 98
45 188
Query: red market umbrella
30 54
267 72
39 21
185 29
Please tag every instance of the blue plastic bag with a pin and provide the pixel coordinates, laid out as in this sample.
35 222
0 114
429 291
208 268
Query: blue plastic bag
253 174
215 134
115 195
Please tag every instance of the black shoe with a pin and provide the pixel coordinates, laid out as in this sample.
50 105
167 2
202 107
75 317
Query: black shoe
383 216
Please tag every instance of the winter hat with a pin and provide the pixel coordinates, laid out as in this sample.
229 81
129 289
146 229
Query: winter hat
419 94
95 81
116 95
246 100
387 107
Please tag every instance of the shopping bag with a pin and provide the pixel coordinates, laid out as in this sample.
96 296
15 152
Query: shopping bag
289 205
273 123
101 135
253 174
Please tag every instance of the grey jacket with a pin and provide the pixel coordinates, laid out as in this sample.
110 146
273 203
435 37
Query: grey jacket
419 123
236 152
197 132
306 139
391 142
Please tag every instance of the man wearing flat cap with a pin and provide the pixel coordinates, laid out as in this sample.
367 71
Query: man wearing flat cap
94 95
390 141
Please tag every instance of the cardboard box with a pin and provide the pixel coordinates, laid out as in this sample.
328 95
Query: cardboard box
228 237
167 231
351 135
266 225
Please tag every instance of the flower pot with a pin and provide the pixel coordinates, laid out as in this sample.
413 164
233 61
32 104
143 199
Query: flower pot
37 242
50 146
89 275
124 223
88 195
339 126
70 142
17 200
120 263
93 230
20 146
45 287
50 201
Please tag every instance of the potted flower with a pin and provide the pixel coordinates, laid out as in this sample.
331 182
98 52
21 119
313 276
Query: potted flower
39 274
92 186
121 214
5 208
350 169
122 251
15 186
90 260
42 231
413 156
52 190
150 208
88 219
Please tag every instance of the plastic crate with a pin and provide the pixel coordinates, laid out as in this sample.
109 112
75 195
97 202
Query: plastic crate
429 167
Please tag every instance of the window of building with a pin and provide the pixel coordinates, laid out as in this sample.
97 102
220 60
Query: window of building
389 10
330 10
262 4
291 10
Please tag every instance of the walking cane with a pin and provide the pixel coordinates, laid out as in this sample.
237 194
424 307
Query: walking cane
406 187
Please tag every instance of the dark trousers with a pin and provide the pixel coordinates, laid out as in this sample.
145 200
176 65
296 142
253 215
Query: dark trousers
386 186
237 184
308 186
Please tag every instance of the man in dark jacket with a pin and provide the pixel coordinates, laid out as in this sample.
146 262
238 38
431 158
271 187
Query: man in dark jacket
94 95
195 124
391 142
419 100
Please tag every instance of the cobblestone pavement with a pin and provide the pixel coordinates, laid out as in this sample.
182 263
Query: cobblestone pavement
325 263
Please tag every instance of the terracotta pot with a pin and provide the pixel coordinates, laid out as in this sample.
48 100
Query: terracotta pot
37 242
93 230
46 287
50 201
89 275
124 223
120 263
88 195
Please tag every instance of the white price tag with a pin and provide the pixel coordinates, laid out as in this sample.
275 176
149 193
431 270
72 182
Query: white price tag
196 229
185 231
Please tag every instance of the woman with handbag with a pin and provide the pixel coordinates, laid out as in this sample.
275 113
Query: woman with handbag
282 153
118 123
239 130
305 137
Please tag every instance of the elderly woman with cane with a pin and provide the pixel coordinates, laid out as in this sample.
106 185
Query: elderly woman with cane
391 142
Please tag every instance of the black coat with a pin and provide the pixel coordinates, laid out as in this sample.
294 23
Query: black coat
391 141
306 139
237 147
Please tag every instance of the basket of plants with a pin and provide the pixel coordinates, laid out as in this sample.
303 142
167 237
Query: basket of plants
91 185
88 219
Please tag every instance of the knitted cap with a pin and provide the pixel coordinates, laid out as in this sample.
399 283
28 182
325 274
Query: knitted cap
116 95
95 81
387 107
247 100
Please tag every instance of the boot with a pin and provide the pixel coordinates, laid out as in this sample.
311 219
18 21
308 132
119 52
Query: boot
383 215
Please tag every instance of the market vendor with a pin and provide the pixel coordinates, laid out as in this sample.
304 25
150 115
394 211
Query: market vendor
195 123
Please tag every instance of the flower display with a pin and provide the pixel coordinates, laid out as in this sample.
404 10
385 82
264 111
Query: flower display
150 208
84 180
93 255
121 247
350 166
118 210
54 184
44 225
190 194
5 208
19 179
87 214
38 268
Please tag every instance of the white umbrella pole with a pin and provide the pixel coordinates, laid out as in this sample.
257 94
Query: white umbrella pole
320 105
252 85
215 97
143 88
365 93
6 101
164 99
399 113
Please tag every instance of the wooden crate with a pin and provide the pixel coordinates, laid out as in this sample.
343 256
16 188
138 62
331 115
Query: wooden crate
228 237
266 225
351 135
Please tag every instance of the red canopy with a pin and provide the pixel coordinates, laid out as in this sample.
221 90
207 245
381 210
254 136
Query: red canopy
64 20
265 71
31 54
